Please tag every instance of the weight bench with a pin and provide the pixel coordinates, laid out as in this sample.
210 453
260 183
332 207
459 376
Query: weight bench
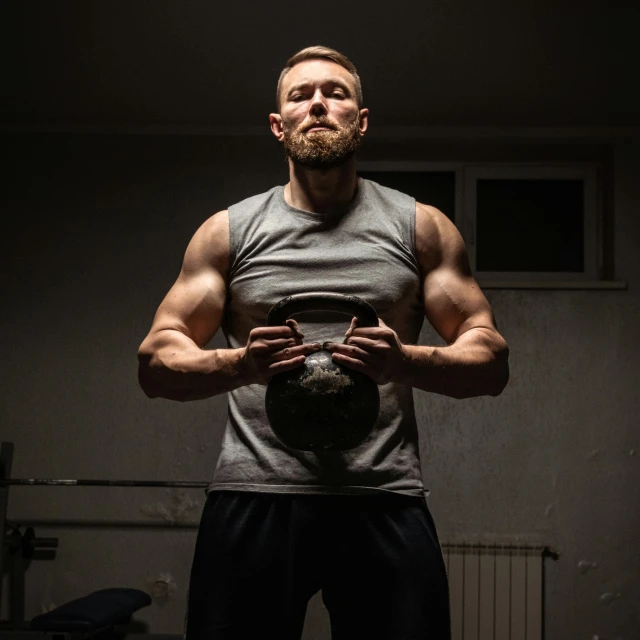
92 616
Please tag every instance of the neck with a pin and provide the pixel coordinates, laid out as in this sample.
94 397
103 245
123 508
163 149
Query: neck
321 190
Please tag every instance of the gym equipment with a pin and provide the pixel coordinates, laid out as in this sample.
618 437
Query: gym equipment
100 609
100 615
95 615
322 405
62 482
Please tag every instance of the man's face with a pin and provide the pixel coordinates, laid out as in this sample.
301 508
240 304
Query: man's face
319 122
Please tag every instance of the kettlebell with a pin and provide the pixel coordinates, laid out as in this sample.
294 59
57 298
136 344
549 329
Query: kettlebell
322 405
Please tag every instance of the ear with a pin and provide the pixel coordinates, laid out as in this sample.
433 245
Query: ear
364 121
275 123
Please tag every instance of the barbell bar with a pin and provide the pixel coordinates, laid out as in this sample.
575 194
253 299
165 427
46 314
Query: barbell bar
60 482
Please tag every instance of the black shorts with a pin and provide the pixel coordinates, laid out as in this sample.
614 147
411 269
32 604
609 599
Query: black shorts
260 557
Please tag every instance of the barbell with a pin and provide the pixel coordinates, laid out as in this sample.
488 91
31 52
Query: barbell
60 482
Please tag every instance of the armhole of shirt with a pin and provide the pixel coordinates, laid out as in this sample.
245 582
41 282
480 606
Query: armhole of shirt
410 233
233 244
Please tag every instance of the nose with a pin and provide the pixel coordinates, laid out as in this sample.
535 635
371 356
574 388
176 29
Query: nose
318 105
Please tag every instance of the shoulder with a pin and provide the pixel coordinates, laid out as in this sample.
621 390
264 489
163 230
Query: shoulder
209 245
438 241
213 228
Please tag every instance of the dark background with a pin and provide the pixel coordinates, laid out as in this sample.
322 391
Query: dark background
125 124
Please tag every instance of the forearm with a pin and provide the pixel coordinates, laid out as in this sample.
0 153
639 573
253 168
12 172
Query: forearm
475 365
172 366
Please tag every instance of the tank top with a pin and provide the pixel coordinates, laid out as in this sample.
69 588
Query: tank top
368 251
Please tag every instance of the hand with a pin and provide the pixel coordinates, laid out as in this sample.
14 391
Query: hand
375 351
272 350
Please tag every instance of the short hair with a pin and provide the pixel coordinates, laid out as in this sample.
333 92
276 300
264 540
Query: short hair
320 53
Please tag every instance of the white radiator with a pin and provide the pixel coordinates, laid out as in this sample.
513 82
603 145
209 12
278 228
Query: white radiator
496 591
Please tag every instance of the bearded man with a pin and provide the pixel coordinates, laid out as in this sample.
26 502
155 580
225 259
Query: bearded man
280 524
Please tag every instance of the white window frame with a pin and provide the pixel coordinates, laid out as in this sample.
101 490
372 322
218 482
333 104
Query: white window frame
592 248
466 177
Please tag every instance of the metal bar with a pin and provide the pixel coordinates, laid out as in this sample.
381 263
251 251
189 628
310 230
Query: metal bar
471 595
518 596
502 620
12 542
523 548
32 634
456 592
59 482
17 590
486 588
535 600
106 524
6 459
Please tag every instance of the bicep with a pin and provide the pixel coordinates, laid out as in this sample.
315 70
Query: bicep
195 303
453 300
193 306
454 304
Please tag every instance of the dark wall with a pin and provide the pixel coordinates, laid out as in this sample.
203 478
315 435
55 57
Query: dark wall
94 233
95 226
211 64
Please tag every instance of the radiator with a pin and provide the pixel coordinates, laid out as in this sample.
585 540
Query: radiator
496 591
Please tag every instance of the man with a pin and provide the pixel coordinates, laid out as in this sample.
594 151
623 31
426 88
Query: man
279 524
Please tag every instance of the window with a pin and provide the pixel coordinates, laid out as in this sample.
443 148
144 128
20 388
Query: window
537 222
437 188
524 225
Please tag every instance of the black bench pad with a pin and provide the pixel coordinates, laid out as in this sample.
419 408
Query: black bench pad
101 608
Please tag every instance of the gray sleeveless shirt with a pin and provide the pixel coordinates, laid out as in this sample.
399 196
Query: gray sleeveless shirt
277 251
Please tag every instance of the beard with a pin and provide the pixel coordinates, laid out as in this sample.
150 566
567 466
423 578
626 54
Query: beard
322 149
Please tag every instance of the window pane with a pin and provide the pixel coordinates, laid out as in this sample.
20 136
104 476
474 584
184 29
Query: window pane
530 225
436 188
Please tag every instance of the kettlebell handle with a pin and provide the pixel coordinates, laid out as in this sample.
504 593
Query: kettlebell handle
338 302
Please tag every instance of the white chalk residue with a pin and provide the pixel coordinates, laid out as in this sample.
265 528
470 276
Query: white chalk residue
180 506
585 565
322 381
161 587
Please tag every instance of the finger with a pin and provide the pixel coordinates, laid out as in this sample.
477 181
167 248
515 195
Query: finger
363 343
352 326
273 333
270 346
365 331
294 325
351 351
373 333
291 358
295 352
286 365
351 363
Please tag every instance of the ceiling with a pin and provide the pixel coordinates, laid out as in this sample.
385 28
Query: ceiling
188 63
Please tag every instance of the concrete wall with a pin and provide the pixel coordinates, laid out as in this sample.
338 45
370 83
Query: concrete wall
94 233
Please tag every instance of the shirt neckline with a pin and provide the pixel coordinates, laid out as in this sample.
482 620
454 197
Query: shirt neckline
354 204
